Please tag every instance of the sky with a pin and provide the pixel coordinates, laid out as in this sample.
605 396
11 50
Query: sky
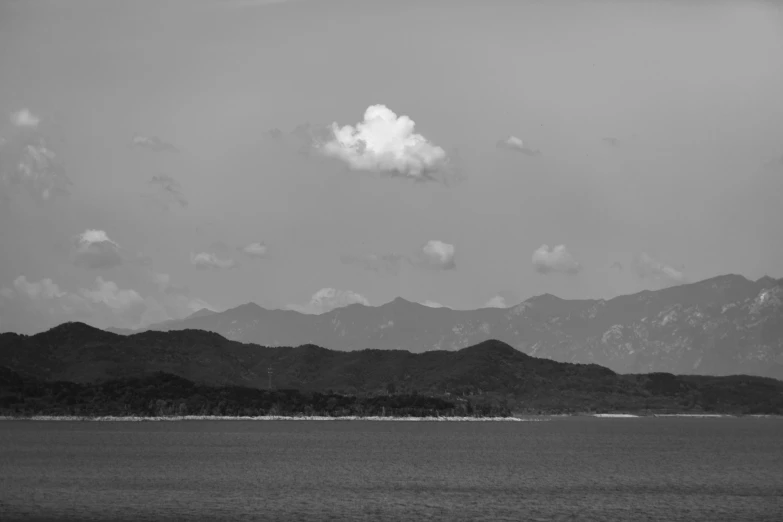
162 157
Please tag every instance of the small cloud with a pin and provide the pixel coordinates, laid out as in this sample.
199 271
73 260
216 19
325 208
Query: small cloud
438 255
614 142
496 302
169 189
276 134
25 118
432 304
647 267
618 266
255 250
27 162
94 250
555 260
327 299
153 143
516 144
208 261
384 143
380 263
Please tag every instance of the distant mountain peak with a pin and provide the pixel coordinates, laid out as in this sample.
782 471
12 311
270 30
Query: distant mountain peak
399 301
726 279
73 328
201 313
545 298
247 306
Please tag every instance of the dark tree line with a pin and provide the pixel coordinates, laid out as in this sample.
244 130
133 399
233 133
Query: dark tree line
163 394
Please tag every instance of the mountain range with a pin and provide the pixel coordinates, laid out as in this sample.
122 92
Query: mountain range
720 326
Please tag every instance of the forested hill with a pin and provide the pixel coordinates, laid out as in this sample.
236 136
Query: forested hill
491 370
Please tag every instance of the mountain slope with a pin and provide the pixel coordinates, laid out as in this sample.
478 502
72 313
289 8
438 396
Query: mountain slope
719 326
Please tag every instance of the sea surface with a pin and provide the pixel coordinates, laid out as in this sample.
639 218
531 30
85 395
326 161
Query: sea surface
573 468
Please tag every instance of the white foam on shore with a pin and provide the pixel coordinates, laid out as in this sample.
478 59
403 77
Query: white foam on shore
692 415
267 418
615 415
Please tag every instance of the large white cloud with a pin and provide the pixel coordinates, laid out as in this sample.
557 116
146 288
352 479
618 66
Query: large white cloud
384 142
327 299
555 260
95 250
209 261
439 255
647 267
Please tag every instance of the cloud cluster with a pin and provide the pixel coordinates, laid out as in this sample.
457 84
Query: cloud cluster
209 261
255 250
95 250
517 145
37 305
384 142
555 260
647 267
153 143
327 299
389 264
33 306
438 255
28 163
25 118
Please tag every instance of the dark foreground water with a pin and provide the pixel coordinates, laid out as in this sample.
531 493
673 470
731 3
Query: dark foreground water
563 469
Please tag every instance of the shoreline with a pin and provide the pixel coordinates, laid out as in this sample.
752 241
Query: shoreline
173 418
516 418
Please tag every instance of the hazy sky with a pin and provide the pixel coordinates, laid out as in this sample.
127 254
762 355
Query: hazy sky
580 148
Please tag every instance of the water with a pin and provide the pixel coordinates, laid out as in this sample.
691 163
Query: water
564 469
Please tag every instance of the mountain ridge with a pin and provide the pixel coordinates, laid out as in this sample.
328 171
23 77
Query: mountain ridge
710 327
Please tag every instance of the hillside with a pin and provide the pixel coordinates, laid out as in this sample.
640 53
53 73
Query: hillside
491 370
720 326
